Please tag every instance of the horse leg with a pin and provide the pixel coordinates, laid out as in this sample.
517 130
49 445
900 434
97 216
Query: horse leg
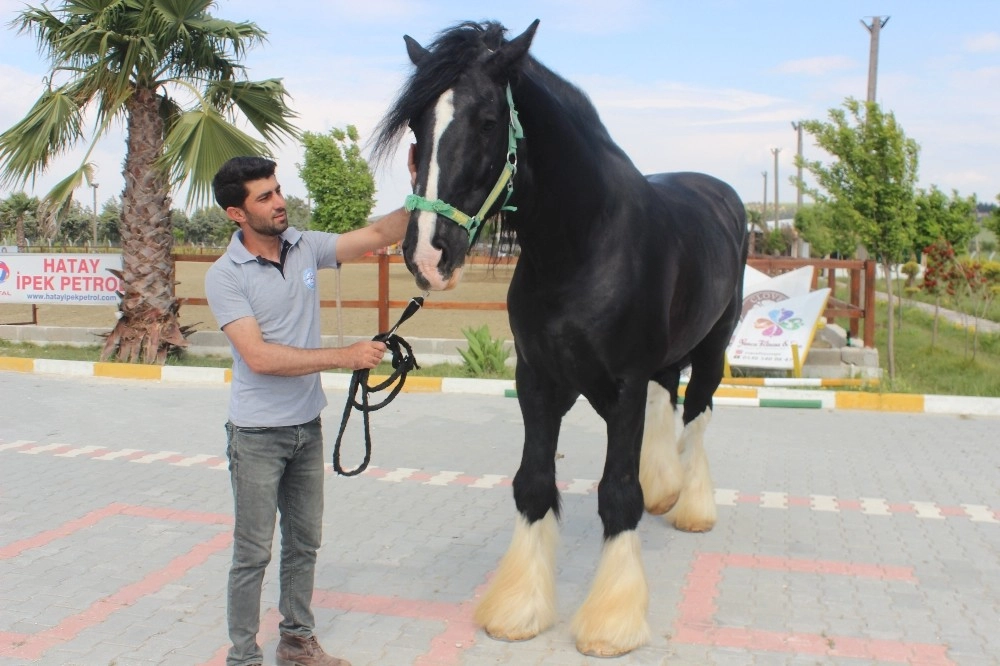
695 509
520 601
612 619
660 472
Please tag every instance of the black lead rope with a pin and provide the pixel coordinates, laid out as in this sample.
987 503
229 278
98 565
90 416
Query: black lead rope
402 362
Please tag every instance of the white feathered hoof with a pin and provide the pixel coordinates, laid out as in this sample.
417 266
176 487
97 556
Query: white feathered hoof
695 509
520 602
660 472
612 620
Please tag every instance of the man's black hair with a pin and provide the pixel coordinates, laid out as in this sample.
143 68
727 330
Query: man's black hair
230 181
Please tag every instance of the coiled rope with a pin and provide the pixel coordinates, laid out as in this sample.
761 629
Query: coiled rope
402 362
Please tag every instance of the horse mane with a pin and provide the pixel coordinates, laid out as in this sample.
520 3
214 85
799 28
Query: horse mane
538 92
449 55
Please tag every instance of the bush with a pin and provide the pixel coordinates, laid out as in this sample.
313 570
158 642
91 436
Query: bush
486 357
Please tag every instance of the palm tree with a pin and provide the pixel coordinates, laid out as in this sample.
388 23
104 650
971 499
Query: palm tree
15 209
129 61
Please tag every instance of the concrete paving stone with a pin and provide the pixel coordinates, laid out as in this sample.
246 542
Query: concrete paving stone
423 542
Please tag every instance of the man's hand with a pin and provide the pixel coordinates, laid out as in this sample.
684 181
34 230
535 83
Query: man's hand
363 355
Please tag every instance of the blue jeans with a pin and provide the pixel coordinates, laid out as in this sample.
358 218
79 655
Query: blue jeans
272 470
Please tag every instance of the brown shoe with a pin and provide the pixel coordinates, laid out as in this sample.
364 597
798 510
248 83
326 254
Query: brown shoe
301 651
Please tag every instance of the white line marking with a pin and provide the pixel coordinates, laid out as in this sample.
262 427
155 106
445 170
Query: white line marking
117 454
824 503
43 448
398 474
83 450
773 500
153 457
487 481
193 460
979 513
726 496
927 510
875 506
442 478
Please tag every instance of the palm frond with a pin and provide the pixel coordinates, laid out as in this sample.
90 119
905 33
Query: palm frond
52 125
59 195
199 142
263 104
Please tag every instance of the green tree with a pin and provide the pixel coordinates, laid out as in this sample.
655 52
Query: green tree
338 180
75 224
826 232
15 210
871 180
299 215
992 222
127 61
938 216
107 222
209 226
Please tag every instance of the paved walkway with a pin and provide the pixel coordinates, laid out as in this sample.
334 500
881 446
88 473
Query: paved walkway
844 538
956 318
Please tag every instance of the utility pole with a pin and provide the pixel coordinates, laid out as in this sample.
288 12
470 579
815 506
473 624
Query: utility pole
875 28
775 151
93 226
798 166
763 206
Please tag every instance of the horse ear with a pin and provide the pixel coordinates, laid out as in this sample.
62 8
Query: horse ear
512 52
414 50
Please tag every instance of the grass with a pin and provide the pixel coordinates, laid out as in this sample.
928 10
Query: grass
947 368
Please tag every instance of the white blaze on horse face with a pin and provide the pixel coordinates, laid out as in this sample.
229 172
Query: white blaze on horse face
426 257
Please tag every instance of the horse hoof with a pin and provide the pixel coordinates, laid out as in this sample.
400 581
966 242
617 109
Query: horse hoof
693 525
601 649
509 636
662 506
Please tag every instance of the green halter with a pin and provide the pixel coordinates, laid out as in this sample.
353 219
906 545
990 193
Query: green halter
472 224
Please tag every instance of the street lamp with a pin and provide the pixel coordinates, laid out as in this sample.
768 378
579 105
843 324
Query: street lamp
93 226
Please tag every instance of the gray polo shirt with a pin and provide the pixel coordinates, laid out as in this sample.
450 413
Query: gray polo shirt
286 308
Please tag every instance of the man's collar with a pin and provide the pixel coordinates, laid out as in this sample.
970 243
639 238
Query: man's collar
239 253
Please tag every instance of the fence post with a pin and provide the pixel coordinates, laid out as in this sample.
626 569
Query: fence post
383 292
870 303
856 299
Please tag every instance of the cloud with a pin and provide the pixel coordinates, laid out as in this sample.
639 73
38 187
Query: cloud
988 42
610 93
818 66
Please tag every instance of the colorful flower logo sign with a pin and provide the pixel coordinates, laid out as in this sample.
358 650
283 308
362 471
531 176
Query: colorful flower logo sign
777 322
766 336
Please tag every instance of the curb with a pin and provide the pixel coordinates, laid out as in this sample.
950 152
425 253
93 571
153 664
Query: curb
745 392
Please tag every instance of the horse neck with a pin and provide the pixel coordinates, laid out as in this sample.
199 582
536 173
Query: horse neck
569 173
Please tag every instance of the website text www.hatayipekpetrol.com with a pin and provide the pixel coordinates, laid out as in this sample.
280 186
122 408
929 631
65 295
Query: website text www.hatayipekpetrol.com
74 298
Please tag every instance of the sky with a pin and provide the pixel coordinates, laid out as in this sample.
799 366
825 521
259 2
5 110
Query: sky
710 86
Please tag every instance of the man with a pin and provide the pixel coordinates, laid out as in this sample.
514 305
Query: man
263 295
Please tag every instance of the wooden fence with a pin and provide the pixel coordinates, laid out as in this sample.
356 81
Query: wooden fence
857 308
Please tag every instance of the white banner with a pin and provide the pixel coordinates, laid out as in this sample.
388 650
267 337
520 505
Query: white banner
760 288
765 337
70 279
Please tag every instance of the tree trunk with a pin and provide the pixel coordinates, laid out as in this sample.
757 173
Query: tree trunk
891 329
937 313
149 324
22 241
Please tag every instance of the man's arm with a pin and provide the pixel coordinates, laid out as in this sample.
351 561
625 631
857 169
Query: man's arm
268 358
385 231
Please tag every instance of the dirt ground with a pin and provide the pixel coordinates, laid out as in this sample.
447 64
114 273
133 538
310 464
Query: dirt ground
480 283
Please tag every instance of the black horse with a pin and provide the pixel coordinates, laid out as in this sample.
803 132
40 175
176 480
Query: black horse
623 280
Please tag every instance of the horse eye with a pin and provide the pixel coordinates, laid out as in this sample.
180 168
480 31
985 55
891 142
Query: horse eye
489 126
